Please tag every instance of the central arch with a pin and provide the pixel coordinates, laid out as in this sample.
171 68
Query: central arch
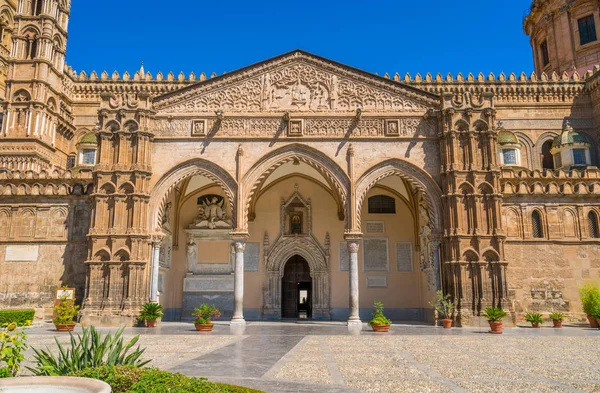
317 259
329 169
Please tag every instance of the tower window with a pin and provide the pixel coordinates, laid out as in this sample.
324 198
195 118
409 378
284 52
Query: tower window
509 156
36 7
88 157
71 162
593 225
382 204
545 54
587 29
536 225
547 161
579 157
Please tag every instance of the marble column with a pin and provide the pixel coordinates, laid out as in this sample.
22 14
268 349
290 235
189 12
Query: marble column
354 318
155 271
238 284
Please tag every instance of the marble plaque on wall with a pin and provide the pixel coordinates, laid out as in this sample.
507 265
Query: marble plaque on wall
251 257
376 282
344 257
404 256
22 253
375 255
375 227
212 283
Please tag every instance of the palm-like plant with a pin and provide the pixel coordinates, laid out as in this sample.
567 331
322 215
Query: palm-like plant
557 316
534 318
88 350
151 312
494 314
443 304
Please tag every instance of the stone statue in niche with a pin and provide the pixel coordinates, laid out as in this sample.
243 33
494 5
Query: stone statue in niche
212 213
425 237
192 259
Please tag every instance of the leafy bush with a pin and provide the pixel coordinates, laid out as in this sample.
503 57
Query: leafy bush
596 313
123 379
151 312
590 297
88 350
65 310
378 318
12 345
443 304
205 313
494 314
534 317
557 316
20 317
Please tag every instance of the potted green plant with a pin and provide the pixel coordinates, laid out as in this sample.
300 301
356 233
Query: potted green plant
204 316
65 311
534 318
590 300
444 307
557 318
378 322
495 315
150 313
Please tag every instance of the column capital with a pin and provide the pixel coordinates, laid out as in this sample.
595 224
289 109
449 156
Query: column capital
239 236
156 239
353 236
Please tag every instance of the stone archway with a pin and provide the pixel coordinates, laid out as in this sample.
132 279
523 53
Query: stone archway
331 171
318 261
183 171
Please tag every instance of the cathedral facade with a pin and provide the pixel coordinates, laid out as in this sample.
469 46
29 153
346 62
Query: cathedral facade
299 187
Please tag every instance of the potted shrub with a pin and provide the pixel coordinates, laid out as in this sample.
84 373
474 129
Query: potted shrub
150 313
495 315
378 322
65 311
444 307
534 318
557 318
204 316
590 300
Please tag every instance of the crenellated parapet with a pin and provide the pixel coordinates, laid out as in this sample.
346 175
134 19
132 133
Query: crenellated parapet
573 183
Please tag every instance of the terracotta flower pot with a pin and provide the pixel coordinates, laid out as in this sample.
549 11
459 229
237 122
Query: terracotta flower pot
496 327
557 323
535 325
381 328
65 327
593 322
447 323
201 327
151 323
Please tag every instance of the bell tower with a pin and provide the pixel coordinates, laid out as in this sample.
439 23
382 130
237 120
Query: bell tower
37 110
564 35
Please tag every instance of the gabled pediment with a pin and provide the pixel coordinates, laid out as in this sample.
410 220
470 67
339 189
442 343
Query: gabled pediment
296 82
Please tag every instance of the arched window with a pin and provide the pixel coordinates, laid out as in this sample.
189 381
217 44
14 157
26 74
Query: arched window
537 229
36 7
547 160
382 204
593 225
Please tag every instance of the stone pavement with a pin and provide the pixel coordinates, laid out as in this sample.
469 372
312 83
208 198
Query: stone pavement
328 357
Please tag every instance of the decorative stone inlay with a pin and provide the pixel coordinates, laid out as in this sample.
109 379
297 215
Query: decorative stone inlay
252 257
344 257
404 256
375 255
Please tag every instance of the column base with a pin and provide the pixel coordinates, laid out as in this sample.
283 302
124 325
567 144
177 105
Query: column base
237 322
354 323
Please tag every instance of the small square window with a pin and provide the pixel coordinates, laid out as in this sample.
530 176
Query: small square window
579 157
88 157
587 29
509 156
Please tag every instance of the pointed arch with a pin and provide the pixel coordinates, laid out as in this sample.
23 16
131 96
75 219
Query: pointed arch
412 174
198 166
261 170
592 218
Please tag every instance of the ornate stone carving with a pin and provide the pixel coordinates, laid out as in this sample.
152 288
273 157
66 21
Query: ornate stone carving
212 213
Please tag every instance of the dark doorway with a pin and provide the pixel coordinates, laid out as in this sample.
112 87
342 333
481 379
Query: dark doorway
296 289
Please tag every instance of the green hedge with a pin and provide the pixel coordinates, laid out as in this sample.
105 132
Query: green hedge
21 317
124 379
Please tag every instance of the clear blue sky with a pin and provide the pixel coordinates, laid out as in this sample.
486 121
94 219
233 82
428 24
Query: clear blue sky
376 36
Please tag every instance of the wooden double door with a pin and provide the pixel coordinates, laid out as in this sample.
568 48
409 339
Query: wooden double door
296 288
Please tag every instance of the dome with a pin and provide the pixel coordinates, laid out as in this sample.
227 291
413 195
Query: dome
568 137
506 137
89 138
